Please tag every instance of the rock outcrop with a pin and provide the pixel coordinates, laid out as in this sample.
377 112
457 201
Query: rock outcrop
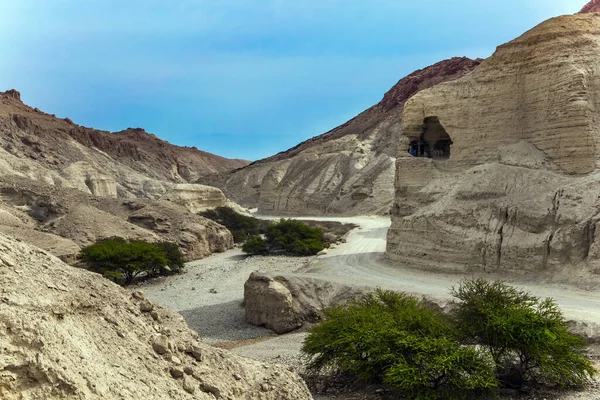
347 171
62 220
509 168
284 303
69 333
197 198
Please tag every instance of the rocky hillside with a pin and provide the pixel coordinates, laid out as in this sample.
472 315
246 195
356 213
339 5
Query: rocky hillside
69 333
591 7
131 163
63 186
514 183
349 170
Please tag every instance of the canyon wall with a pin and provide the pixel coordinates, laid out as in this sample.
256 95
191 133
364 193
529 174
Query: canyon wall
515 189
347 171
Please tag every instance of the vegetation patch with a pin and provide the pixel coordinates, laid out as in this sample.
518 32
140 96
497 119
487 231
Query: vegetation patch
333 231
287 236
124 261
241 226
497 337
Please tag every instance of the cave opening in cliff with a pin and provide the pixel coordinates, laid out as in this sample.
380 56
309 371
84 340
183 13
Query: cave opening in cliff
434 142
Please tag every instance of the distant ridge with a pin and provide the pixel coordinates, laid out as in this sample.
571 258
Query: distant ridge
591 7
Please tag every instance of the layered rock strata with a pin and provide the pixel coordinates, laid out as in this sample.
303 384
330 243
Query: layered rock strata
507 160
347 171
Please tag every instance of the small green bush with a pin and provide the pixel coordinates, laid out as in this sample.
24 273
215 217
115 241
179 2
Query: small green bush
123 261
527 337
393 338
295 238
240 226
256 245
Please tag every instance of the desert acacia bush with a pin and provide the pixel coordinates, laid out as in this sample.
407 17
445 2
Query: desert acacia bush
289 236
527 337
294 237
395 339
240 226
256 245
123 261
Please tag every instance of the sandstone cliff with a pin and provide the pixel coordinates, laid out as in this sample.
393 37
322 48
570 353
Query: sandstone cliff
69 333
512 179
347 171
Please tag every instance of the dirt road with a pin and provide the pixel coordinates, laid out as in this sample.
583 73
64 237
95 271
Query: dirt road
362 261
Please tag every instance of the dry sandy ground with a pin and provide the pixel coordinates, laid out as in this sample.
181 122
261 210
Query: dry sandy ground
209 294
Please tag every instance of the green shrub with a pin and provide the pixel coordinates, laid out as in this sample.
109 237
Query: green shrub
240 226
526 336
123 261
256 245
393 338
175 261
295 238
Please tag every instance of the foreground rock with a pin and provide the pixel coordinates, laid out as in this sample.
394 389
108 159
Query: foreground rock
68 333
284 303
512 181
347 171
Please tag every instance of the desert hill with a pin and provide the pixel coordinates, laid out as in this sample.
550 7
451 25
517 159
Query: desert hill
347 171
509 175
69 333
63 186
131 162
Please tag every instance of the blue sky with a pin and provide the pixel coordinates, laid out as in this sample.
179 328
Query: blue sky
239 78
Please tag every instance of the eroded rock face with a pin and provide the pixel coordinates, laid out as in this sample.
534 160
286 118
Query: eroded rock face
197 198
69 333
515 189
62 220
347 171
285 303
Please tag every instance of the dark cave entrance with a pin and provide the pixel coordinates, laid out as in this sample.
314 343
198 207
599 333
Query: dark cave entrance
434 141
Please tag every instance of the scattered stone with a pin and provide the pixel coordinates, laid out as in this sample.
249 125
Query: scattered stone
189 384
155 315
197 353
213 291
237 377
209 388
188 370
175 360
160 344
139 295
176 372
265 387
146 306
